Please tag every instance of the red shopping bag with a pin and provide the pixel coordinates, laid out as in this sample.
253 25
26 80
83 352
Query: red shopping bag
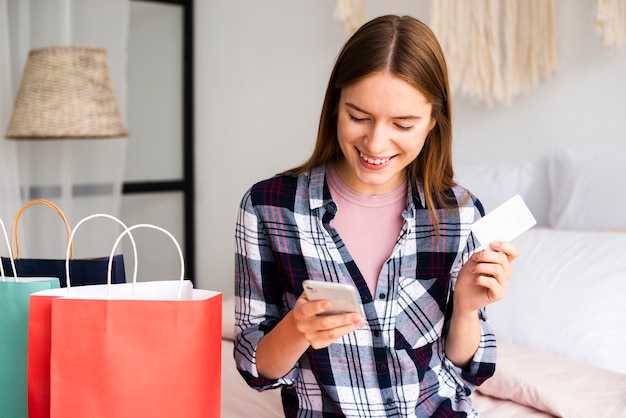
38 367
39 321
129 350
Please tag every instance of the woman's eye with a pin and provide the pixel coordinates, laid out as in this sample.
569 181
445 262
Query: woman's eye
405 127
355 119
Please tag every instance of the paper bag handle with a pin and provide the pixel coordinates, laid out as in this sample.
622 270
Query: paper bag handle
6 240
14 226
70 244
158 228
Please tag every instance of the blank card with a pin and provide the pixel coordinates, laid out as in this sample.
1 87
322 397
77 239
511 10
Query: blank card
504 223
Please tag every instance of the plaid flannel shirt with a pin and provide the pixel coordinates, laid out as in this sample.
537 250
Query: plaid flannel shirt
393 366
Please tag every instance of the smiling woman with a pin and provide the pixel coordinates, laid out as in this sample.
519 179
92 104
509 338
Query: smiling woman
375 206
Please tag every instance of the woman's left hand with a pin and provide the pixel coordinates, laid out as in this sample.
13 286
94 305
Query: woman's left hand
483 279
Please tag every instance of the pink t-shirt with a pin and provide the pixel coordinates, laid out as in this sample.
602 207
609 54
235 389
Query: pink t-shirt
368 225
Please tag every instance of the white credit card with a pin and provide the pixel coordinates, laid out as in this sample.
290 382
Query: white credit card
504 223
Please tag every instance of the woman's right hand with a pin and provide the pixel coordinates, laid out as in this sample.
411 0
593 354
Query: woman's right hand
322 330
302 327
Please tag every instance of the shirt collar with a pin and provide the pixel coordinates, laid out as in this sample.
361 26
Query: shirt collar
317 176
316 187
416 192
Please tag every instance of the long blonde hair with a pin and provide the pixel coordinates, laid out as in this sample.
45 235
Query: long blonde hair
407 48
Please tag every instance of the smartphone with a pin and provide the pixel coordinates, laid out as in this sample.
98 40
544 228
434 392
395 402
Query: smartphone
343 297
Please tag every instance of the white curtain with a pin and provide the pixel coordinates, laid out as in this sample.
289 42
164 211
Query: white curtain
82 176
9 187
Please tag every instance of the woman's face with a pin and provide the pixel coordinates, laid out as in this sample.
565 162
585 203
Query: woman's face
382 125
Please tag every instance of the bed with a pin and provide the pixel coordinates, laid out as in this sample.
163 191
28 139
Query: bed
561 328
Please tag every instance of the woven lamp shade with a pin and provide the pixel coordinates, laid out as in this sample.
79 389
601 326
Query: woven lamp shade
66 92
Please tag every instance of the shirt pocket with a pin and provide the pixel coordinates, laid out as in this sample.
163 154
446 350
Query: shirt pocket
420 312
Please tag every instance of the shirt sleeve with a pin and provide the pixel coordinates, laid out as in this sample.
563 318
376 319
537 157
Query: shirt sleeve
256 306
483 364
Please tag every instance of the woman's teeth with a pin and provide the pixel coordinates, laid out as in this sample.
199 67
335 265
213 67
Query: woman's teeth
373 161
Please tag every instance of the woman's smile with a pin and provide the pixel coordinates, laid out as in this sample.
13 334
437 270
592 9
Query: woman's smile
377 162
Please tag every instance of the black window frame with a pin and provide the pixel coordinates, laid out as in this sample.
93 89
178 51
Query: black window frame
187 183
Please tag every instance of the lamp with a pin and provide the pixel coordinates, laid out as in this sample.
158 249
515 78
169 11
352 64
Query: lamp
66 92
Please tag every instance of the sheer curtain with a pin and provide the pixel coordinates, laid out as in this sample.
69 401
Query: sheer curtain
9 187
82 176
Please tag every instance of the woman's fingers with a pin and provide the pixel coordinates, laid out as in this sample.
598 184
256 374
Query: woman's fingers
511 250
333 329
319 329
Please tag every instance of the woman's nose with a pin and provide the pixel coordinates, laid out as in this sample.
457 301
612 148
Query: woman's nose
377 138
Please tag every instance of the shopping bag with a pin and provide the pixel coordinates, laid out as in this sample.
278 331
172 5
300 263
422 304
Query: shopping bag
84 270
130 349
14 297
38 377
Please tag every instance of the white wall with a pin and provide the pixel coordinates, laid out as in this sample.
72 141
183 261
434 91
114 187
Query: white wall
261 72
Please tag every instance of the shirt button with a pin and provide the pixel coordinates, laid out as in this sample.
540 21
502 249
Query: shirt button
382 296
382 367
376 333
388 401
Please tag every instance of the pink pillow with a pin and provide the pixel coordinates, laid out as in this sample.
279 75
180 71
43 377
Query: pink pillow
556 385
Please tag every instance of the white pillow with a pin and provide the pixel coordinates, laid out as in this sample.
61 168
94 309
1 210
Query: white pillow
586 189
566 296
495 184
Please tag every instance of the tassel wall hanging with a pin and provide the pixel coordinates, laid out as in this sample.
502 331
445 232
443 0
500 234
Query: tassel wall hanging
351 13
611 22
496 49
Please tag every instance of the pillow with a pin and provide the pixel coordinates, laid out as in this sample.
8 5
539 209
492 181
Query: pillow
566 296
555 385
492 407
586 189
495 184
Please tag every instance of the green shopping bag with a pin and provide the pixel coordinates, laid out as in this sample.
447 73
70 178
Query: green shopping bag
14 303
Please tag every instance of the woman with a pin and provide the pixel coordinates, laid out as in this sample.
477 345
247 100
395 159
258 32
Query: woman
374 206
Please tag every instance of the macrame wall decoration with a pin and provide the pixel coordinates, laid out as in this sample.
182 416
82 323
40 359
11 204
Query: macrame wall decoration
351 13
496 49
611 22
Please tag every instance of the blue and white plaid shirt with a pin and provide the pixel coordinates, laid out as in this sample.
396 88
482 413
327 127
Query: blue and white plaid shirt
393 366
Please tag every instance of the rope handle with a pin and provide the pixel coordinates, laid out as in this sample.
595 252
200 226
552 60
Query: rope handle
158 228
15 248
71 241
